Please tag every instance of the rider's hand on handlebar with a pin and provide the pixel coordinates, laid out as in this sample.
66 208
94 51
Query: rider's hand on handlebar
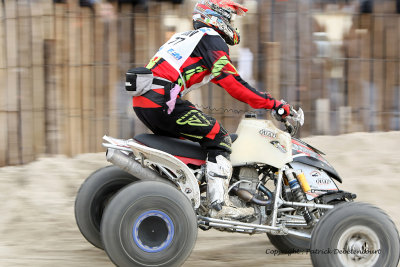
283 109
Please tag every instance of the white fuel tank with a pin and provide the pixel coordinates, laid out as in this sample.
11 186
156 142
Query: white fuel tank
260 141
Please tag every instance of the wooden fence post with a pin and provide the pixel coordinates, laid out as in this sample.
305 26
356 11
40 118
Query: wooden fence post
365 73
3 91
306 49
397 95
352 79
378 73
322 121
99 83
126 39
38 83
25 81
391 42
50 98
75 76
13 111
113 77
289 54
88 121
61 144
273 68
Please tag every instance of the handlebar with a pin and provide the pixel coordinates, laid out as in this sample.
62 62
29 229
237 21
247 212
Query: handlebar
295 116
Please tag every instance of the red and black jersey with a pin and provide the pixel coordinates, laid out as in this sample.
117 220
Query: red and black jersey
194 58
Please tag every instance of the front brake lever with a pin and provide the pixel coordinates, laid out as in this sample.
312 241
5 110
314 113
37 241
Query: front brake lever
297 116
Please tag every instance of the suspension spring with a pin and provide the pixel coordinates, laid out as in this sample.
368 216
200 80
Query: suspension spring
299 196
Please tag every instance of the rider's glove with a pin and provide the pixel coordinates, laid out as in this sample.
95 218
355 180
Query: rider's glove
282 109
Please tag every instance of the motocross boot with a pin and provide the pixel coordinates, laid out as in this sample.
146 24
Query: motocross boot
218 176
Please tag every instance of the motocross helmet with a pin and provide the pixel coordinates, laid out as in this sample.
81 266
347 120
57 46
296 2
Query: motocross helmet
219 15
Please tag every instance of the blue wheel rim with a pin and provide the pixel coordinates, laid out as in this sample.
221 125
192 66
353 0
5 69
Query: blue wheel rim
153 231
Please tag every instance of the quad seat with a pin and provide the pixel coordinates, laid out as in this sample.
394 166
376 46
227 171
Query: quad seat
175 146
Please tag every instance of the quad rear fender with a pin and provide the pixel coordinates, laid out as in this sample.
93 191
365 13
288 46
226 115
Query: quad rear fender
182 176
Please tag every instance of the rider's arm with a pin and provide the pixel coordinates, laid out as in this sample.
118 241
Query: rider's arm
216 58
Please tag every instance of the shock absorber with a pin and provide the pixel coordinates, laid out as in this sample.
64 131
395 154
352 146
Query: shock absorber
299 196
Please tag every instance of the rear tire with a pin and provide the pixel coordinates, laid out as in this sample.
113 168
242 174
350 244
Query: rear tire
149 224
93 196
352 227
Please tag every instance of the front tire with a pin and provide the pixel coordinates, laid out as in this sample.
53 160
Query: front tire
355 234
149 224
93 196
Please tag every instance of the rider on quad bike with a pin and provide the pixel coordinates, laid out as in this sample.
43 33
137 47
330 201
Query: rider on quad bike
185 62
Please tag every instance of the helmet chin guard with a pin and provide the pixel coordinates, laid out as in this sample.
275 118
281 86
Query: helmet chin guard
219 14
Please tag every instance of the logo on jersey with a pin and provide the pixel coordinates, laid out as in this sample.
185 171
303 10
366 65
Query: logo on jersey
223 64
175 54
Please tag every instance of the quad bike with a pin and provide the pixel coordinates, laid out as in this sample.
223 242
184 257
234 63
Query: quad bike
145 209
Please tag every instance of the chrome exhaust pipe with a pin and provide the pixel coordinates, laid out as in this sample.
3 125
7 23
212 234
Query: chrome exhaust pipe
249 197
129 165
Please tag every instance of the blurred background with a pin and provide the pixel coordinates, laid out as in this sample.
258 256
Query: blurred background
62 76
63 64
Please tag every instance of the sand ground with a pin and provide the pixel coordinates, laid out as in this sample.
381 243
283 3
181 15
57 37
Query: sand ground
37 225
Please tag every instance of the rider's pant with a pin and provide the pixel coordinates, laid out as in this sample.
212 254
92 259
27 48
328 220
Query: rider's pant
185 121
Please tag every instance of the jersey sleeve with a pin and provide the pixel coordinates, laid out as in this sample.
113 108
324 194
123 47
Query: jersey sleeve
216 58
